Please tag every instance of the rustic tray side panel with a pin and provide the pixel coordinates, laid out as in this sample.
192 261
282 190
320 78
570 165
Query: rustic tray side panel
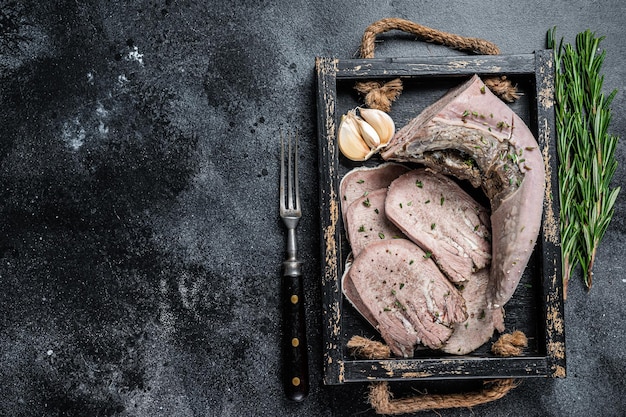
451 368
552 272
326 70
437 66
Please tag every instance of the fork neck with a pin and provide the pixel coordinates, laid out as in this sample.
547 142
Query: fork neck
292 246
292 266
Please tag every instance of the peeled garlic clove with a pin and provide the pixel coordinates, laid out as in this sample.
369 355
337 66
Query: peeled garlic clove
368 133
349 139
381 122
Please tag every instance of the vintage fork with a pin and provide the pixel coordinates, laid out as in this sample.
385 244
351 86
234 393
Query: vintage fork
295 368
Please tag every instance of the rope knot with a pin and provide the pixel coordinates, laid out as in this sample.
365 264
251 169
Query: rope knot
379 95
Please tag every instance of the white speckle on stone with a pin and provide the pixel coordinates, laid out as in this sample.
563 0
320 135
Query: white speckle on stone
166 316
134 55
102 128
122 80
50 352
90 78
73 134
624 280
101 111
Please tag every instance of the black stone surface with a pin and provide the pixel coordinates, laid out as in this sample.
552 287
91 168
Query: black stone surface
140 245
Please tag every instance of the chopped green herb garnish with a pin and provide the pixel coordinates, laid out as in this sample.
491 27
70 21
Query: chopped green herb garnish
381 235
432 226
376 211
399 305
427 255
362 228
367 203
419 184
360 181
401 285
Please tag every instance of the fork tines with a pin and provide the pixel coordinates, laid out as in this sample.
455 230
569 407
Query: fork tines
290 200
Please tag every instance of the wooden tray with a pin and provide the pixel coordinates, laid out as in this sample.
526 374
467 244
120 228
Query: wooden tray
537 305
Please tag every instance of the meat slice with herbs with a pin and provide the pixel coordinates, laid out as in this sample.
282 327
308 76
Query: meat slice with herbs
365 179
404 295
436 213
366 221
481 321
471 134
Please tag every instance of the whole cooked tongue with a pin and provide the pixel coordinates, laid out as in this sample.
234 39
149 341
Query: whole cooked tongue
471 134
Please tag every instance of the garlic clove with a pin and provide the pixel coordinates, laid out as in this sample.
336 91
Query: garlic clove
350 141
381 122
368 133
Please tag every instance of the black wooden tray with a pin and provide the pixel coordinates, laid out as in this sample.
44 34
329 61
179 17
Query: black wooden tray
537 305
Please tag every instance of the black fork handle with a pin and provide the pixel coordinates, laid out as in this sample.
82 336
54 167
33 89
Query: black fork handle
295 364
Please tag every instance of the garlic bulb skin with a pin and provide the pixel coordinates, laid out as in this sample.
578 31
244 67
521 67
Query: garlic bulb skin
381 122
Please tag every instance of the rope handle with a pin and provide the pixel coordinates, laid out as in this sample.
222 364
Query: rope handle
380 95
462 43
381 398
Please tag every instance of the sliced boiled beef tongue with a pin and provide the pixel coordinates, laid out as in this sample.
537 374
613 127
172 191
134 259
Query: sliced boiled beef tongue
481 321
471 134
366 221
361 180
438 215
405 296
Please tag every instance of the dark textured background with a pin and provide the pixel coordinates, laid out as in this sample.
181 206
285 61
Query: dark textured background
140 246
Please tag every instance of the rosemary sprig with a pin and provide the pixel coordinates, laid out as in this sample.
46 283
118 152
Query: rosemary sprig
585 149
